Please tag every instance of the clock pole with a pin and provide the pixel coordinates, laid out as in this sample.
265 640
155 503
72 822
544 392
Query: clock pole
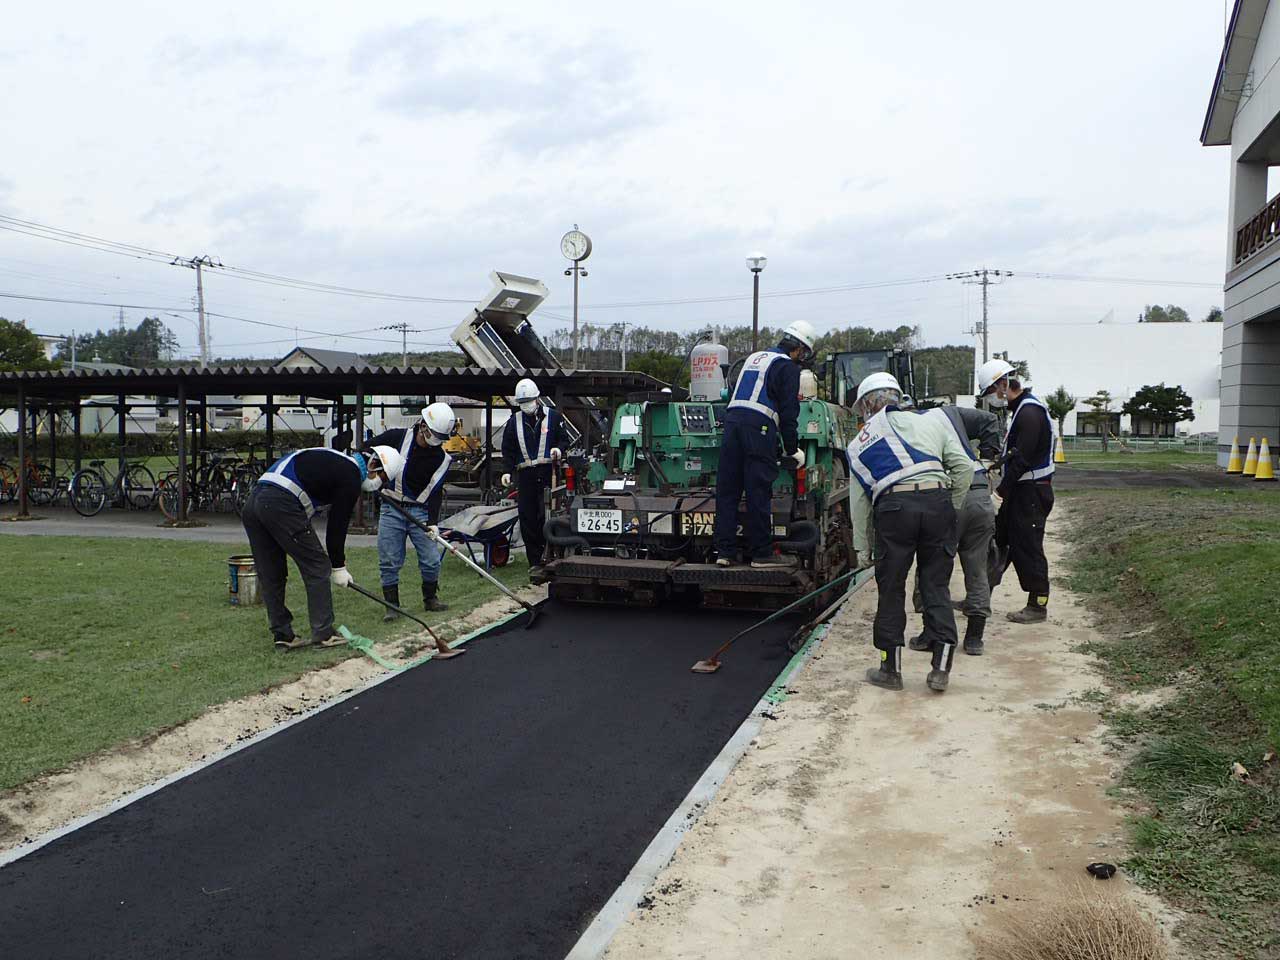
576 247
575 316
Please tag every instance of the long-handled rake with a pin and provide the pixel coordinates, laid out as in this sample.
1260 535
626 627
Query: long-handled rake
443 650
397 502
712 663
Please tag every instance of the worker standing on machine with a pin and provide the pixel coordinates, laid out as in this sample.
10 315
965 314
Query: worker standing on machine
277 518
1026 485
422 483
913 476
532 440
764 406
975 525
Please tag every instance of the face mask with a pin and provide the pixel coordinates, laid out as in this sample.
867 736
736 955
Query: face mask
529 406
999 402
371 484
433 441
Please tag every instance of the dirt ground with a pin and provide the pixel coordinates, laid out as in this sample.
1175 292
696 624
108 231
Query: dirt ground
55 800
866 823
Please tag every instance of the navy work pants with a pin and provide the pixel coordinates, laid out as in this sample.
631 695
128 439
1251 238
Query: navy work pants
531 484
748 464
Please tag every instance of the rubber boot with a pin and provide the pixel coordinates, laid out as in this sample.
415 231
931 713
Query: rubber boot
889 674
391 594
973 636
919 644
943 654
429 598
1036 610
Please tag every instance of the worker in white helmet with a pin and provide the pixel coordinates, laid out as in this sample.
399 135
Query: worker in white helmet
1026 485
533 439
912 476
426 464
277 518
762 416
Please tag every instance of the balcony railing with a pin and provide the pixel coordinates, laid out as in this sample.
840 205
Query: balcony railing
1259 232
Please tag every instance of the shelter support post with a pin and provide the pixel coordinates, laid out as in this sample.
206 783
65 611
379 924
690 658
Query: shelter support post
357 441
487 479
270 411
77 449
53 445
122 413
182 450
24 509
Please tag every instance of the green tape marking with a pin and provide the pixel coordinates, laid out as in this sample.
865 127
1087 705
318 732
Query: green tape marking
778 692
365 645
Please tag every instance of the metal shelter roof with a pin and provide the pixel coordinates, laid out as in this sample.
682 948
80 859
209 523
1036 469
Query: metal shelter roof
471 382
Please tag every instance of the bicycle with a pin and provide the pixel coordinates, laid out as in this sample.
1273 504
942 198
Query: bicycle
135 487
42 483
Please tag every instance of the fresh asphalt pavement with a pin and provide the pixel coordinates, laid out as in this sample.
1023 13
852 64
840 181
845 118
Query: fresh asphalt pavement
486 806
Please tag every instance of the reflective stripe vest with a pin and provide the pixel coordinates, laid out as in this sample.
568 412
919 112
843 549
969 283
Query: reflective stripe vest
750 393
542 451
437 478
282 473
952 416
880 457
1038 471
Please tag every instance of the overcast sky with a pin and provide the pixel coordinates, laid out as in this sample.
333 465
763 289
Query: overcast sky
414 147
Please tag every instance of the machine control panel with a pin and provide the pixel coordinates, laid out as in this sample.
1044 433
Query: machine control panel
696 418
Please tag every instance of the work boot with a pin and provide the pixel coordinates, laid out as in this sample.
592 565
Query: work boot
957 604
429 598
288 643
973 636
889 674
943 654
391 594
1036 610
536 571
724 561
919 644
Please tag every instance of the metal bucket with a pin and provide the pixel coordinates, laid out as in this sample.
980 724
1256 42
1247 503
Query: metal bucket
243 582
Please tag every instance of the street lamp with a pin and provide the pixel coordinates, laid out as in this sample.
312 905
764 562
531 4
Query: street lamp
755 263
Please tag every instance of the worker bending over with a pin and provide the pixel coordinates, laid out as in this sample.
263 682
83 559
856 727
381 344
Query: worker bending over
421 483
913 476
1026 485
533 439
277 518
976 523
764 407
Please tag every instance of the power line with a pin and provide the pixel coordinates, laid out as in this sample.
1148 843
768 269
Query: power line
983 277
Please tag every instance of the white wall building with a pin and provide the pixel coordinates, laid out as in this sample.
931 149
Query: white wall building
1244 114
1120 358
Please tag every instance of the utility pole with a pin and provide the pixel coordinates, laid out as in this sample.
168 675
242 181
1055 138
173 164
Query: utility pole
197 264
405 330
624 345
984 278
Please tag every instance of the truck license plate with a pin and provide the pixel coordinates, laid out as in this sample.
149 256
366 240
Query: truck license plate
599 521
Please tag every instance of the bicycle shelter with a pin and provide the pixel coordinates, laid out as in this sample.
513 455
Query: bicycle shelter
31 391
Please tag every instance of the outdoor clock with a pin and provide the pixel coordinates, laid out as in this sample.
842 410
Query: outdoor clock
575 245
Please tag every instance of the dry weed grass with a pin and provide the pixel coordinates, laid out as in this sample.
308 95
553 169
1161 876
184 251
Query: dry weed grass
1087 922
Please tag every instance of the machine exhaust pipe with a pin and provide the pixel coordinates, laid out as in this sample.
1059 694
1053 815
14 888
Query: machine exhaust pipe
561 534
802 537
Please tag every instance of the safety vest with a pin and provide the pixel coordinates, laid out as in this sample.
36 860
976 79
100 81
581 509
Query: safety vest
1038 471
437 478
542 451
750 393
952 416
880 457
284 474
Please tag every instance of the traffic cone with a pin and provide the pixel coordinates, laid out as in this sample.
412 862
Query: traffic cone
1265 472
1234 464
1251 460
1059 455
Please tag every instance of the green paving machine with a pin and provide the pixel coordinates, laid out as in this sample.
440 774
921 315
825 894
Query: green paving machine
635 523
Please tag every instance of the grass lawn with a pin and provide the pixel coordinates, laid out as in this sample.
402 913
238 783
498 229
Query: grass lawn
1202 568
105 640
1117 459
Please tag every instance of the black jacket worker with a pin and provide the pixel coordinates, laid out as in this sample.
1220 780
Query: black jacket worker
763 409
533 438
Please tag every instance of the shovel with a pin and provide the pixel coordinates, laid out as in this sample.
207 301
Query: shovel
712 663
443 651
398 502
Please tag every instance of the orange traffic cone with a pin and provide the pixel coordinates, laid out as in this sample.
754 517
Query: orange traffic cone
1234 464
1264 472
1059 455
1251 460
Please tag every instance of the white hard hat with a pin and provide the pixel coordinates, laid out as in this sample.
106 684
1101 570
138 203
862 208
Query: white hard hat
527 390
808 385
878 381
389 461
802 332
990 372
439 418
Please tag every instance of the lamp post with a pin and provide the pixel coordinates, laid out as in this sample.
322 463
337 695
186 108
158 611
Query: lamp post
755 263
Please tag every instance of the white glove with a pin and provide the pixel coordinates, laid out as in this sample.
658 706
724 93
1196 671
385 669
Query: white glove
341 577
556 453
798 457
506 479
433 530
